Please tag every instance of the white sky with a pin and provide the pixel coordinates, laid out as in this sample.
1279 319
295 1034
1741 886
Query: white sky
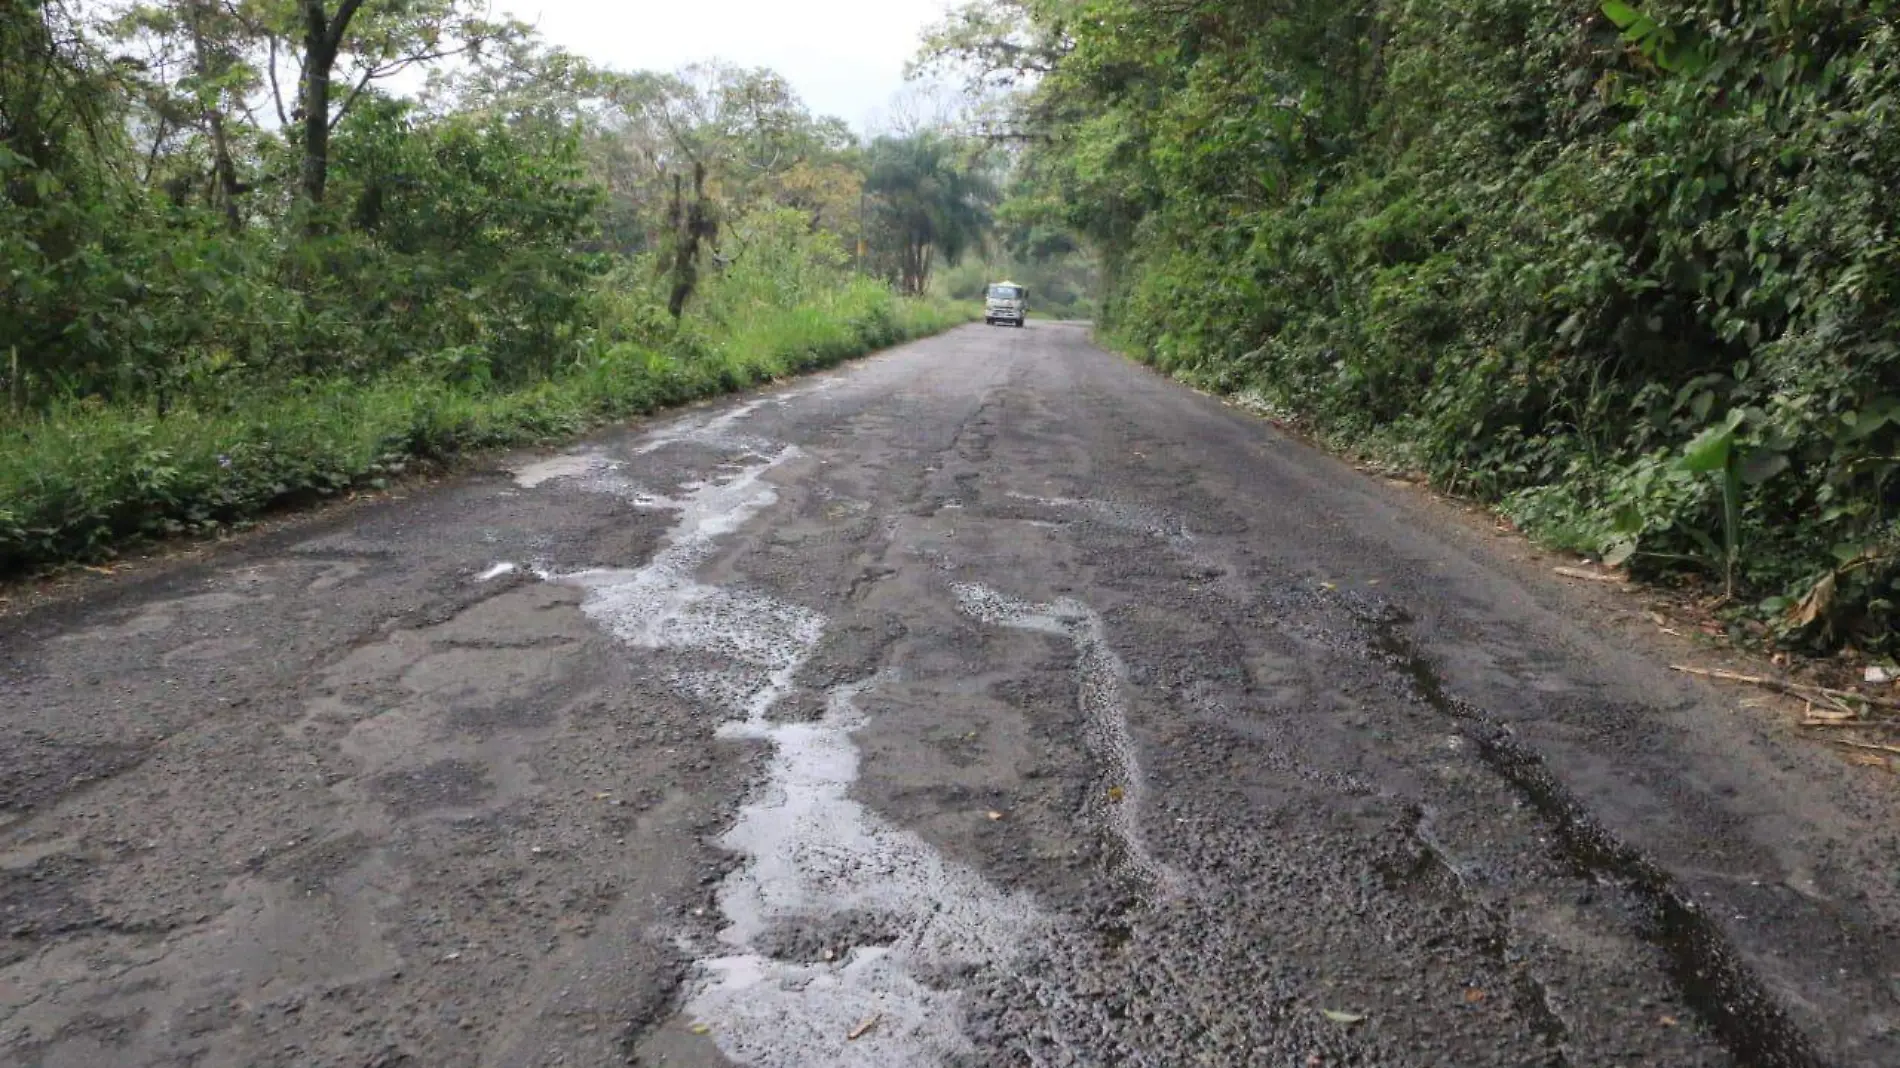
845 57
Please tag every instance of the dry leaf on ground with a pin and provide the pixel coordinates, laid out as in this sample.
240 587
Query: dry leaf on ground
1342 1017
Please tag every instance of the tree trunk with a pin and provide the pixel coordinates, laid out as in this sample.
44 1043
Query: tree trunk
224 169
915 267
323 38
228 188
318 59
692 225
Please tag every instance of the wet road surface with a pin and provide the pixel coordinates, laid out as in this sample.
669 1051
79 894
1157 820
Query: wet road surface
988 702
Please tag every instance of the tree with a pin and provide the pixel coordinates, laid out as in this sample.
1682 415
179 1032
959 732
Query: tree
163 235
63 140
930 201
693 224
214 64
366 43
322 40
998 44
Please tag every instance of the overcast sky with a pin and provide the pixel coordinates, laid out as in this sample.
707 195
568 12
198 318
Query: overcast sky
845 57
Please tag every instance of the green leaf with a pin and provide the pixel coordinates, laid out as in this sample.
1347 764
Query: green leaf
1709 451
1619 552
1865 422
1848 552
1760 465
1622 14
1702 404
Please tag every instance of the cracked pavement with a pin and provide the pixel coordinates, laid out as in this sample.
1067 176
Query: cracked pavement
990 701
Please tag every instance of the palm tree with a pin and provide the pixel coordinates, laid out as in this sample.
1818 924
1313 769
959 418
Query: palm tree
930 201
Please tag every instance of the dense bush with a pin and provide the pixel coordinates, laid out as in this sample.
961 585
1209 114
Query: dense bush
1628 269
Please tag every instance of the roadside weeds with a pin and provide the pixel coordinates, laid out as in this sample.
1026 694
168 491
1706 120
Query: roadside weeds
95 528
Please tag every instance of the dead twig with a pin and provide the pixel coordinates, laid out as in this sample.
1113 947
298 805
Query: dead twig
1829 717
864 1028
1875 746
1838 698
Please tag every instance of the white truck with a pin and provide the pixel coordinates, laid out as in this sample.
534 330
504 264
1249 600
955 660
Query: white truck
1006 302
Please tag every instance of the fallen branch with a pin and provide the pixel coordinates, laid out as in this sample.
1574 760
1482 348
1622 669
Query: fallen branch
1593 576
1875 746
1792 689
1829 717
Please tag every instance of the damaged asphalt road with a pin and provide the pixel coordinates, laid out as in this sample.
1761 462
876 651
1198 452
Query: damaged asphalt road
988 702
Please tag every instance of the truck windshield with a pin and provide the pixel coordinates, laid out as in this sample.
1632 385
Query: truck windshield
1005 292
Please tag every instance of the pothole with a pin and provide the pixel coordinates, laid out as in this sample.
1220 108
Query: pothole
443 784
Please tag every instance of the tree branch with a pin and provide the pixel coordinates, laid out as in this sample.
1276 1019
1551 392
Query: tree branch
355 91
390 70
276 92
340 23
158 142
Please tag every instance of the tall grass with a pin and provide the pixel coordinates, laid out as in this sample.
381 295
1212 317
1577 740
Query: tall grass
83 480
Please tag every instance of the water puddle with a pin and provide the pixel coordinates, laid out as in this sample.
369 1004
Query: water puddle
569 465
716 430
1101 680
1134 518
812 855
663 606
813 858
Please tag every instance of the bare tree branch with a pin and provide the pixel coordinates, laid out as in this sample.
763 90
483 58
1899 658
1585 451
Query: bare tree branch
276 92
355 91
151 158
390 70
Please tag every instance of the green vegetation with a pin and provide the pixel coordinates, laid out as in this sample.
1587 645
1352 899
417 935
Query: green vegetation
1061 285
236 274
86 477
1627 269
1029 245
932 199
